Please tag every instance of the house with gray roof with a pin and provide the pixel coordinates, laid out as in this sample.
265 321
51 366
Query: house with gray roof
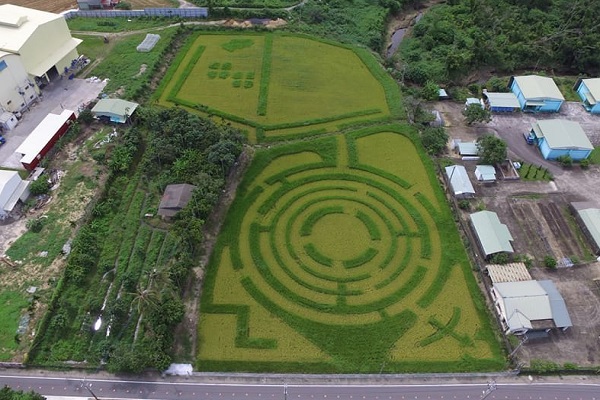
560 137
492 235
587 215
589 92
501 102
485 173
536 93
175 198
527 306
459 182
114 110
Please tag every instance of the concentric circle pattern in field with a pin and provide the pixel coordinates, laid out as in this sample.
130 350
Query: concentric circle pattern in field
335 243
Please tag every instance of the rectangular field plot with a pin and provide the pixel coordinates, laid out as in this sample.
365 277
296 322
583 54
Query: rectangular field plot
332 259
225 75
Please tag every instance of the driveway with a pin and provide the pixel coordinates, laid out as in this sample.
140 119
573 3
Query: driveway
59 95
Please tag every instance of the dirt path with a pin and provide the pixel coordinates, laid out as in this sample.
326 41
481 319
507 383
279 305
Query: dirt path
186 333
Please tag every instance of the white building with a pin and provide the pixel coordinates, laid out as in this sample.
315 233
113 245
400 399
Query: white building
12 189
35 48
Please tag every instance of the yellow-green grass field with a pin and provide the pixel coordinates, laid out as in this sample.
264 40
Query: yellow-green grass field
279 86
340 255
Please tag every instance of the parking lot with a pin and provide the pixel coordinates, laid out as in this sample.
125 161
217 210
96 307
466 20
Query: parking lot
537 216
59 95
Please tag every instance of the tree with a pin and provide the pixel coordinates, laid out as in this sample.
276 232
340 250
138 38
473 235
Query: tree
86 116
492 150
430 91
39 186
434 140
476 113
123 5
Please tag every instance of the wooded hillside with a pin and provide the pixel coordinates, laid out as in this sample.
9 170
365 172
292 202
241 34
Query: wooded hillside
461 36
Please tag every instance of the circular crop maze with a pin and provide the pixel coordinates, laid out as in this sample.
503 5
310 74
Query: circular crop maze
337 252
336 243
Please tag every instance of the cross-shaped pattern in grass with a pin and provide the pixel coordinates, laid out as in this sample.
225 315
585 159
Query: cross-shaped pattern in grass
446 330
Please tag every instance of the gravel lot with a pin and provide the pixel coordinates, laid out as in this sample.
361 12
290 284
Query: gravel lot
536 214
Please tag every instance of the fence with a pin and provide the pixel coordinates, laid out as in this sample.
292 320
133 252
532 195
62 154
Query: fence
196 12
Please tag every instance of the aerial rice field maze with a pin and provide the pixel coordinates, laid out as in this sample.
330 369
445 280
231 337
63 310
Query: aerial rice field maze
340 254
279 86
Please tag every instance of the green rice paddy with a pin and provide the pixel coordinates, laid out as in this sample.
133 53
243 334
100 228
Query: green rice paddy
340 255
279 86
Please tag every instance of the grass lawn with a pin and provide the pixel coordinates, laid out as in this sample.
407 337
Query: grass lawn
595 156
280 85
13 304
122 63
331 260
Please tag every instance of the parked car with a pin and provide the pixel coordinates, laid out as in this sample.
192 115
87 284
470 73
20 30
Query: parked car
528 137
2 140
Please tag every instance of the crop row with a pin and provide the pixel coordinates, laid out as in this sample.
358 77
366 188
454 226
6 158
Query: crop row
265 76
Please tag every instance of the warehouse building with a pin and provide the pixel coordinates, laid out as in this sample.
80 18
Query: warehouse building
587 215
43 138
12 189
36 47
559 137
492 235
459 182
501 102
589 92
536 93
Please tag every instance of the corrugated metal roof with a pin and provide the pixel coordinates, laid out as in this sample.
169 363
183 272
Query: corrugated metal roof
536 87
459 180
562 134
485 172
175 198
593 85
17 24
560 314
493 235
524 302
468 149
41 135
513 272
118 107
591 219
508 100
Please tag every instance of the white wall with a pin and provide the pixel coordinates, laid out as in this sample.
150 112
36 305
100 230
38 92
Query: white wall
14 79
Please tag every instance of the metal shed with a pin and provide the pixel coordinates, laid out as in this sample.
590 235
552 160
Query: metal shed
459 181
501 102
536 93
492 235
587 215
559 137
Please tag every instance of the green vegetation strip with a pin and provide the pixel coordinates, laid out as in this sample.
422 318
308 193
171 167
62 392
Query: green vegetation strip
312 219
313 253
265 76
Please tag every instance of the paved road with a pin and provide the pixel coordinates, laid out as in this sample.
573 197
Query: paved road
177 389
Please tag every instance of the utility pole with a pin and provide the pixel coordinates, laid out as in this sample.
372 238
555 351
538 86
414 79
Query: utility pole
284 390
490 388
89 389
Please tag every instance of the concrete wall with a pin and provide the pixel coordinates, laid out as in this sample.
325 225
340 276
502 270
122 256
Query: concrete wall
14 80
